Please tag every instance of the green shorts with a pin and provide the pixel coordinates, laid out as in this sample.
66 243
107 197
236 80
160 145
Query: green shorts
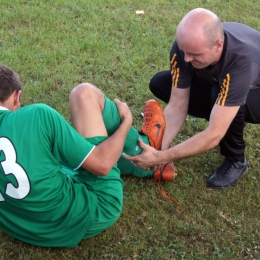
106 190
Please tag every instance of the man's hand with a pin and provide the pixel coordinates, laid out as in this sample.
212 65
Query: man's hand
149 159
124 111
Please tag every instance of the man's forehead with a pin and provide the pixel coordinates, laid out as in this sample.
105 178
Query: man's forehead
192 47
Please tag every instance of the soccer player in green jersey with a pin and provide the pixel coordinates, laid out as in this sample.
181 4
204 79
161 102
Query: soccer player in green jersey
60 183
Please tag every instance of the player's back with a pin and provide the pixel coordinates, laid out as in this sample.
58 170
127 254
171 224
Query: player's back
37 200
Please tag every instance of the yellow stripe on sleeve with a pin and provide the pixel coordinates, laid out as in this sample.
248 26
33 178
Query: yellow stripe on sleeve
223 91
175 72
173 58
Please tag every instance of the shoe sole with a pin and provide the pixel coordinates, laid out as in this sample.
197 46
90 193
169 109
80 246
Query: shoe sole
233 184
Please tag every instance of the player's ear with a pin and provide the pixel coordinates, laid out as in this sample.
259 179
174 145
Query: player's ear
17 96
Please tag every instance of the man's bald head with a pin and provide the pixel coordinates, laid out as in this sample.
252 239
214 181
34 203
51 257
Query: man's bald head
200 36
200 23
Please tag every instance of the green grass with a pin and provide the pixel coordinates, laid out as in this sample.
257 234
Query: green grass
54 45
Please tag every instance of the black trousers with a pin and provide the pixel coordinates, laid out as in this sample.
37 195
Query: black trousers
202 99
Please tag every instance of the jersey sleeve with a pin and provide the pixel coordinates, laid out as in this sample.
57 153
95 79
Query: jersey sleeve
67 146
180 71
236 82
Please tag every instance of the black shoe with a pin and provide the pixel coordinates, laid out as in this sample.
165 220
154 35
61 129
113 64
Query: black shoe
227 174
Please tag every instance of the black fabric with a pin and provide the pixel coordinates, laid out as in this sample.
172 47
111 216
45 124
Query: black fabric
161 85
233 144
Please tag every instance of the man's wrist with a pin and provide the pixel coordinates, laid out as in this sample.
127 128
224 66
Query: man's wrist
164 156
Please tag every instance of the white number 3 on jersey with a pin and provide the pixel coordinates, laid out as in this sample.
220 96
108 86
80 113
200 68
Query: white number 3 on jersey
10 166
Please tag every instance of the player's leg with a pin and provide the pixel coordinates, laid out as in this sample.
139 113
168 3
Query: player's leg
89 107
112 121
86 104
151 134
93 114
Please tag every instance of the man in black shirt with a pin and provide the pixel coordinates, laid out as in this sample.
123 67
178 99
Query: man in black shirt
214 74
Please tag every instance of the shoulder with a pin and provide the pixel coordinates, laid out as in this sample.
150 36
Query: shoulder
241 36
230 26
177 56
37 108
39 112
175 49
241 44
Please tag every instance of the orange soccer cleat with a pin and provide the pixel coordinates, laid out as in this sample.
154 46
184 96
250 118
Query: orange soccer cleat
153 123
153 127
165 173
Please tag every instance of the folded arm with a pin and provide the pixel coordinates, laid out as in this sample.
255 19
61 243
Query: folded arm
106 154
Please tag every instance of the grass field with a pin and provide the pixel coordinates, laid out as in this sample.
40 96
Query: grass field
54 45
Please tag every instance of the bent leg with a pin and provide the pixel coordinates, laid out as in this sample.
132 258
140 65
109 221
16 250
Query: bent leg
93 114
252 107
201 92
112 121
161 85
233 145
202 98
86 103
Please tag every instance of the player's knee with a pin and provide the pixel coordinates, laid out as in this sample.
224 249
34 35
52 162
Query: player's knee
85 92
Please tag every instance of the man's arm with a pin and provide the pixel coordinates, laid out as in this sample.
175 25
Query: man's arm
106 154
220 119
175 114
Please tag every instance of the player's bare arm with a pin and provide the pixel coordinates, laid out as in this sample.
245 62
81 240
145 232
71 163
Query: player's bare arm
175 114
106 154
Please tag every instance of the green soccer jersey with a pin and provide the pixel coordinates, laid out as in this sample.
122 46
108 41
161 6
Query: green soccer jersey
37 201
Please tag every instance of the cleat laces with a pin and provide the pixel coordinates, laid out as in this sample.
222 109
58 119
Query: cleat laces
225 167
159 180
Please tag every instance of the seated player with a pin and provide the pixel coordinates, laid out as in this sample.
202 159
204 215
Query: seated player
60 183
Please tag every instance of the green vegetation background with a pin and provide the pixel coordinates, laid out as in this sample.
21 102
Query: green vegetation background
55 45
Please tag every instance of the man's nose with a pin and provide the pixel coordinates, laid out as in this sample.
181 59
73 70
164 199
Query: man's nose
187 57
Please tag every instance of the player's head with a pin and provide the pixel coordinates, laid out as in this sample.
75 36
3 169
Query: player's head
200 36
10 84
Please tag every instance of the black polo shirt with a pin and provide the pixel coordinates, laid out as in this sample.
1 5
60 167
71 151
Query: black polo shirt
237 70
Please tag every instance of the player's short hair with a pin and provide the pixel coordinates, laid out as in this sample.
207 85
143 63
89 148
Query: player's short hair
9 82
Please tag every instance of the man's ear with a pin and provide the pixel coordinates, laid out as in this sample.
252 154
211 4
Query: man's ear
219 45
